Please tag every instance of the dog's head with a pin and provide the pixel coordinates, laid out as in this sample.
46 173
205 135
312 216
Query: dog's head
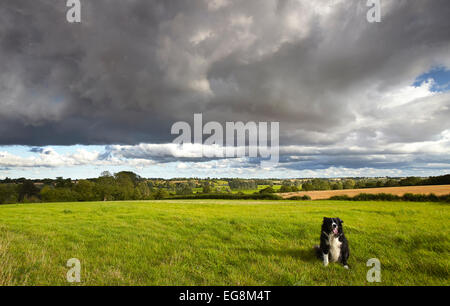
332 226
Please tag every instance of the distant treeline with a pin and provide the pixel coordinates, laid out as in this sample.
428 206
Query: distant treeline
130 186
237 184
323 184
118 187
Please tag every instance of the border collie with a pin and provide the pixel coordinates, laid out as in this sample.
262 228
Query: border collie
333 244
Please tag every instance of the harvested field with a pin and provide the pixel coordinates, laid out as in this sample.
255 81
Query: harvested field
321 195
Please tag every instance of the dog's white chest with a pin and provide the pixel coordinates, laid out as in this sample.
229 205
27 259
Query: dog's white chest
335 249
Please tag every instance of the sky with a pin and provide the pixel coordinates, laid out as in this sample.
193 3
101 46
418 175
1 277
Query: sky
352 98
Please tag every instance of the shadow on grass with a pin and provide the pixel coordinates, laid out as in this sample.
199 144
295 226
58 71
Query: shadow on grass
306 254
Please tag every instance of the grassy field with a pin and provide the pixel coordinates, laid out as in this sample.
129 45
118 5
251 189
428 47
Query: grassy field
220 242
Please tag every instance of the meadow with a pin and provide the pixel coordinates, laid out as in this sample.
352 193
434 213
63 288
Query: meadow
216 242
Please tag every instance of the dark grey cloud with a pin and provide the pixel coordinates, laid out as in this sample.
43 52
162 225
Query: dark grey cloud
305 158
133 68
37 150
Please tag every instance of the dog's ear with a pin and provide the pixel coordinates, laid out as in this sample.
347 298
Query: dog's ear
340 221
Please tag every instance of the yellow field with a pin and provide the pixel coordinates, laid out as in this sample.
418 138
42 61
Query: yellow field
326 194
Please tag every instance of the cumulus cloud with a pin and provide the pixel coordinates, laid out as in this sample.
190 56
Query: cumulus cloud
130 70
49 158
345 159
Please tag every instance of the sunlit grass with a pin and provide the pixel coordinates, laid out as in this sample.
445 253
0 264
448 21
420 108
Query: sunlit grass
215 242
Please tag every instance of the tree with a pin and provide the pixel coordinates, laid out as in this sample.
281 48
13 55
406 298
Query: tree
371 184
391 183
285 189
9 194
161 194
349 184
106 174
206 188
239 184
27 190
184 189
317 184
410 181
47 194
267 190
128 176
85 191
360 184
50 194
337 186
437 180
125 186
63 183
307 186
143 192
105 188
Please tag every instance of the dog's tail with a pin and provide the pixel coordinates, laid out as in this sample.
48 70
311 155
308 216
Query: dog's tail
318 251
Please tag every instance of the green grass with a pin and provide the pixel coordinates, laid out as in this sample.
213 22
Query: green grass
220 242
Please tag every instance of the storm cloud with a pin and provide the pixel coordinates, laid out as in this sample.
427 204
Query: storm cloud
132 68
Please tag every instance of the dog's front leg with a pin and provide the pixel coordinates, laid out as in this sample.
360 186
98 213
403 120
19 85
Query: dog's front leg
325 247
325 259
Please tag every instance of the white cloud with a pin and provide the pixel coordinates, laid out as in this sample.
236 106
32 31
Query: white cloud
200 36
49 158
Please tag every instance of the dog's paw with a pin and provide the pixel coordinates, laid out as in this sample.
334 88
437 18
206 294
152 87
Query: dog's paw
325 264
346 267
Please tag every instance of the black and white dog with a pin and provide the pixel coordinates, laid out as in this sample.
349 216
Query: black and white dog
333 244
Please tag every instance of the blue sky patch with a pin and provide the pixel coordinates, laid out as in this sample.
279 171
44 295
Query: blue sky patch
441 77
